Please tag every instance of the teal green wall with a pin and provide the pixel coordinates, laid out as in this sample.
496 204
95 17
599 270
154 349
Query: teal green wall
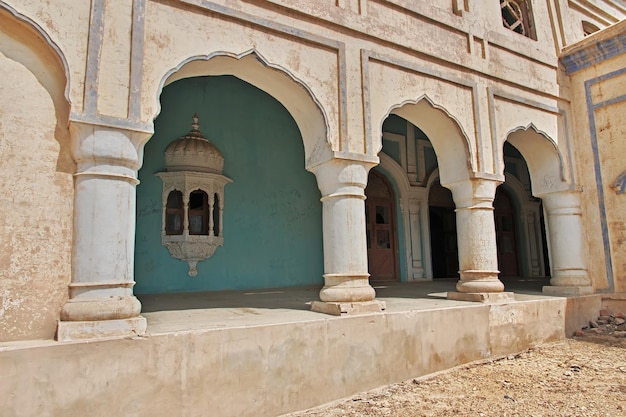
395 124
272 214
392 149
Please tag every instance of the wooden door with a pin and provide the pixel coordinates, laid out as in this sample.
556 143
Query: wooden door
382 246
506 238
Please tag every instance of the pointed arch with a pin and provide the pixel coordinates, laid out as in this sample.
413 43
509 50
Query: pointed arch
292 93
544 160
451 144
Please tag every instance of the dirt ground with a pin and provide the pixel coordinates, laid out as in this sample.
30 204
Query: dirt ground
584 376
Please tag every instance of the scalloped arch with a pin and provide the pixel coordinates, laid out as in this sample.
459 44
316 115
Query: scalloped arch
544 160
281 84
450 143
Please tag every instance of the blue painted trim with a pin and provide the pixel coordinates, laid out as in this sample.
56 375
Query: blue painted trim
491 100
614 100
591 107
367 108
136 59
594 53
94 49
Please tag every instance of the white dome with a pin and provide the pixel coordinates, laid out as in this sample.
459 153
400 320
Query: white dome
193 152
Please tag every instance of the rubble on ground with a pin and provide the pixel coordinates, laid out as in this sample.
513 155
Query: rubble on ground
607 323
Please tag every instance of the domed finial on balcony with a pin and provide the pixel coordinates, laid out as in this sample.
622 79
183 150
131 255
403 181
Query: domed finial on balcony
195 125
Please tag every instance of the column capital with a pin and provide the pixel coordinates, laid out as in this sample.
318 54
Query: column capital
562 200
343 177
95 145
474 192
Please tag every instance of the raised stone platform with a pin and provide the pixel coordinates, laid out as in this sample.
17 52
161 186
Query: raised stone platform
268 351
482 297
566 291
94 330
342 309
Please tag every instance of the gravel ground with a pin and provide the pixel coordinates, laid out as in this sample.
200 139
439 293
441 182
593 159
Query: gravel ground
584 376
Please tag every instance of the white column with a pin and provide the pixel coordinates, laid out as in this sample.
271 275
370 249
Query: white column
567 256
476 236
101 302
346 279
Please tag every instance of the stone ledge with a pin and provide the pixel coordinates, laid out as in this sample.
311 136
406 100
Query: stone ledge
482 297
566 291
68 331
348 308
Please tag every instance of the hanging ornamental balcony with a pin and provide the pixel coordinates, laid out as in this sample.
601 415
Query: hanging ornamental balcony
193 198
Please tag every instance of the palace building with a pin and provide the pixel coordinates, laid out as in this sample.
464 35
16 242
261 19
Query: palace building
164 147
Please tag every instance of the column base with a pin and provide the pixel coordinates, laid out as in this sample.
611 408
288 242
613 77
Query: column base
85 330
347 288
100 309
482 297
567 291
348 308
479 281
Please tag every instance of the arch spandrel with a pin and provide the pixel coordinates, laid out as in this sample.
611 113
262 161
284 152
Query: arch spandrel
292 93
24 41
545 162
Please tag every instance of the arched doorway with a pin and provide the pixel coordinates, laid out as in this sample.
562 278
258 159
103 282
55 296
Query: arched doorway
443 238
382 242
505 219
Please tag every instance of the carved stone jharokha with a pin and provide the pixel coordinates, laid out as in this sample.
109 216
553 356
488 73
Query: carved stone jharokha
193 198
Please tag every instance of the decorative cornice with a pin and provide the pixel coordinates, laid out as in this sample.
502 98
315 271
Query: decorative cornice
595 48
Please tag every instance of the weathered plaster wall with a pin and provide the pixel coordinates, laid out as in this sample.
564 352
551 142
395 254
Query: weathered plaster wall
36 186
272 213
600 125
167 46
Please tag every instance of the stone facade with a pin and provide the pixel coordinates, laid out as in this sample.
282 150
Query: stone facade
497 127
82 88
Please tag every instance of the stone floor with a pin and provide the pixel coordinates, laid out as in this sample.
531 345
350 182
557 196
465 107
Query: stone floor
209 310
